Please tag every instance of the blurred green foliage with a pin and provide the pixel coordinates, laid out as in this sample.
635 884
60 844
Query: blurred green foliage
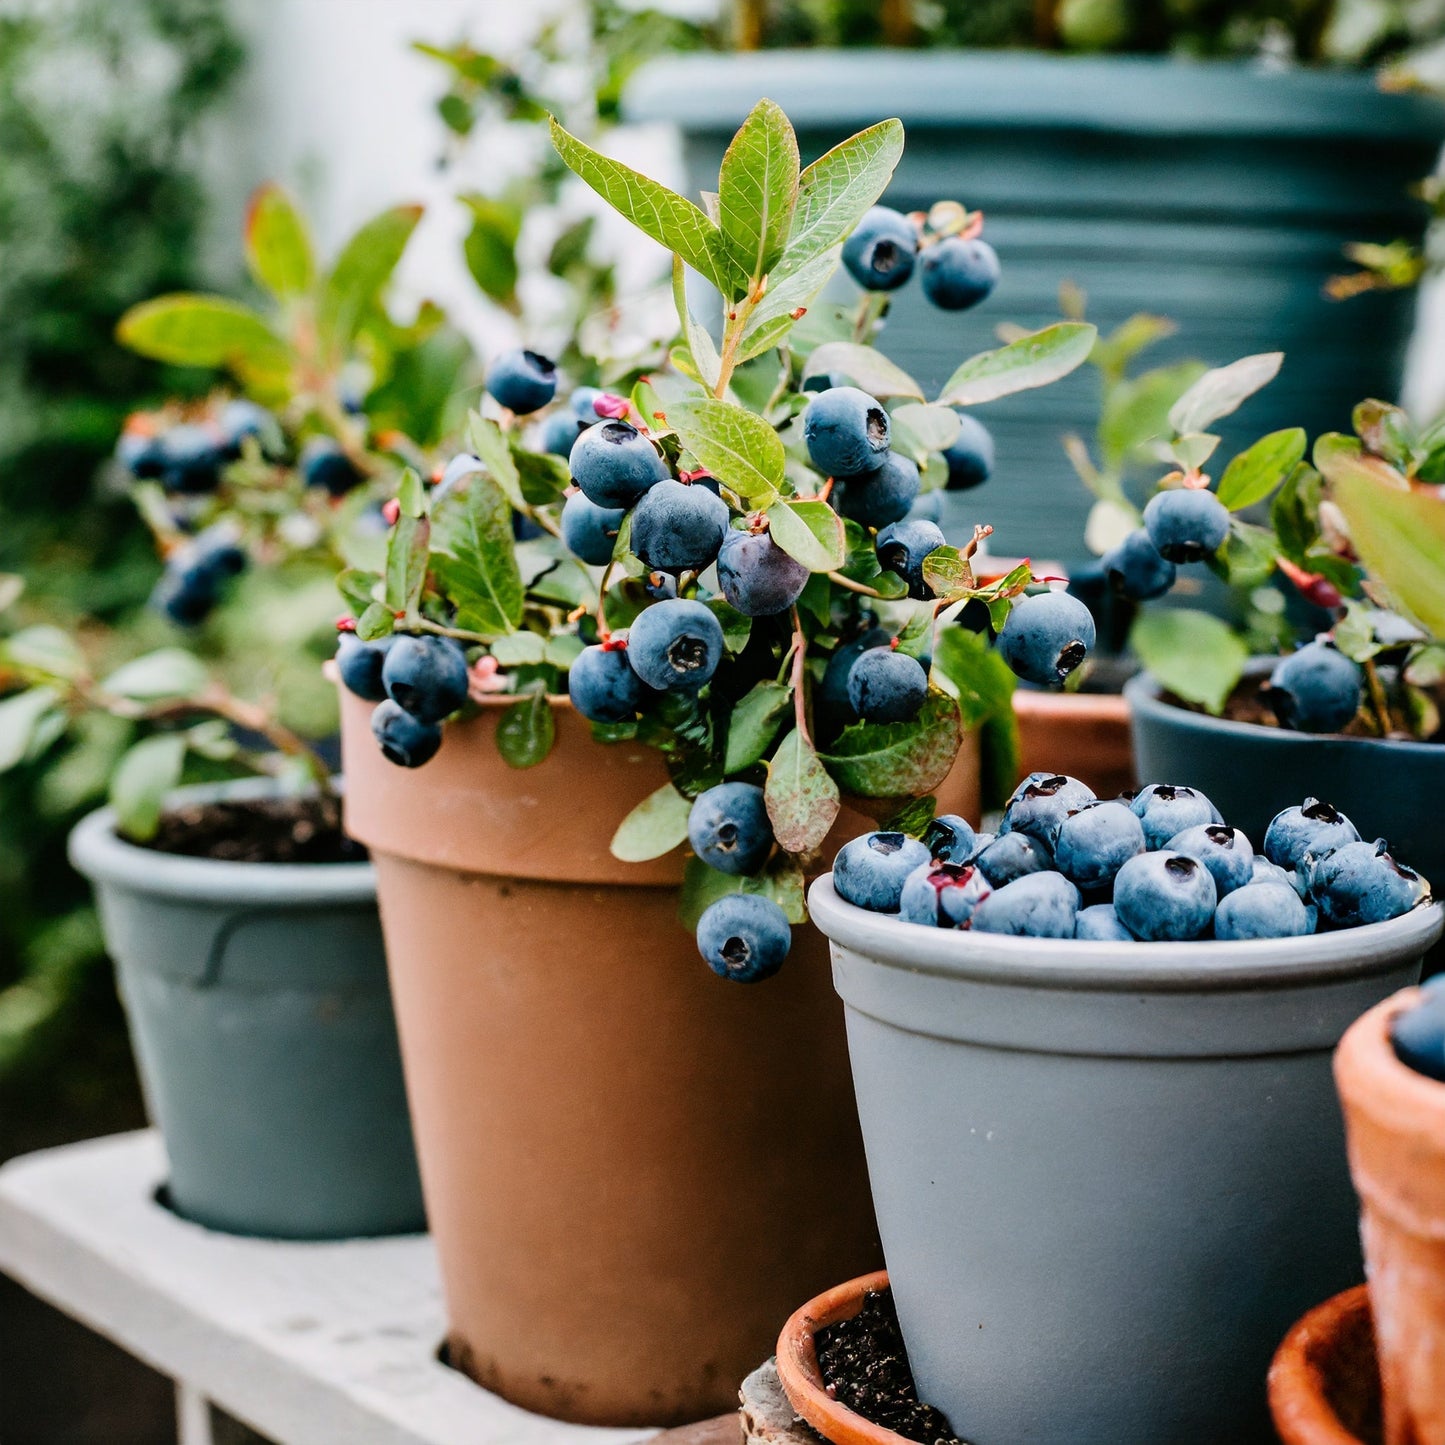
100 205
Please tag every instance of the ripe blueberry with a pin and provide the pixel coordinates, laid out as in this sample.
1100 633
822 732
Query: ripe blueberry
426 675
1187 524
744 937
522 381
660 586
881 251
885 686
1046 637
580 403
950 839
603 686
903 547
676 526
1225 851
360 664
957 274
615 464
1418 1035
1166 809
870 871
1101 924
560 432
590 531
1136 569
846 431
1261 910
1164 896
1316 690
324 464
729 830
942 895
1095 842
195 577
883 495
756 576
831 701
927 507
1038 905
1011 856
1362 883
970 456
405 740
1040 804
190 459
241 419
675 645
1311 830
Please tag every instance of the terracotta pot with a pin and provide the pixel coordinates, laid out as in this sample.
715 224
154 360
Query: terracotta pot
1083 734
803 1380
632 1169
1395 1126
1324 1384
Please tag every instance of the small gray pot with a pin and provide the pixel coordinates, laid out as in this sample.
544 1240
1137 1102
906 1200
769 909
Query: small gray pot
258 1004
1108 1178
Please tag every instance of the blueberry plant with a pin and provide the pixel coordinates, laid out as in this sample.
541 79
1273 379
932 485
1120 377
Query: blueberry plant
728 565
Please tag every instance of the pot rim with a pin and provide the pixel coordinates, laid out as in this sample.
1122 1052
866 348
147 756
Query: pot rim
797 1358
1144 695
1374 1080
1087 965
1098 706
987 89
97 850
1302 1413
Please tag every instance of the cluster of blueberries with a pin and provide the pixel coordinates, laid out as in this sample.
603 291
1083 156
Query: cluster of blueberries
956 272
415 679
1160 866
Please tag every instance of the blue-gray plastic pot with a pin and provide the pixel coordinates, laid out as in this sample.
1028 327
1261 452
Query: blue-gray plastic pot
1219 194
1108 1178
258 1004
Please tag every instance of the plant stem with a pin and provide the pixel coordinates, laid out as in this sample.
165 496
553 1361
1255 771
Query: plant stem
851 586
422 624
863 318
735 322
799 679
1379 704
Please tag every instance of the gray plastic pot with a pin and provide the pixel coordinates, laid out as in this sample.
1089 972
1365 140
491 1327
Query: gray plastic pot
1108 1178
1220 194
258 1004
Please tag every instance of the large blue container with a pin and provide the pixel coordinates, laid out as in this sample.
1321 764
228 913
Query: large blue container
1218 194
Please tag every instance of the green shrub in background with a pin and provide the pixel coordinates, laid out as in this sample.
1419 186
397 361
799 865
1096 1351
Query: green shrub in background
100 205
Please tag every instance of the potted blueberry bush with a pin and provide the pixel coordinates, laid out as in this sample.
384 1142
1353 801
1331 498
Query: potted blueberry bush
690 611
1205 163
242 921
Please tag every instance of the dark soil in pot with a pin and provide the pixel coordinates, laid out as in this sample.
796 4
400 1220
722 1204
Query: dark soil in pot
258 830
865 1367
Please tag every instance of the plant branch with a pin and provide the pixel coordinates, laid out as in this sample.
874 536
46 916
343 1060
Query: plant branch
1379 704
800 678
848 584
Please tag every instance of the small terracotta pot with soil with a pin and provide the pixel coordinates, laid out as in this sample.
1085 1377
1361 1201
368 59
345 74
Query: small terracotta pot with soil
1324 1384
623 1156
1395 1127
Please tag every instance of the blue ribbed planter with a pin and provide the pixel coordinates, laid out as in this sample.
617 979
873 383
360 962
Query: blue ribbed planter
1218 194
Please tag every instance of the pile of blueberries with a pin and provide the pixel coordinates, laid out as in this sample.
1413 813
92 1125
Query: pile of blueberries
1161 865
956 272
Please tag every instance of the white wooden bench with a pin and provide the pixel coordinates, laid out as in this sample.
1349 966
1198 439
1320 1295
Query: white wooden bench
309 1344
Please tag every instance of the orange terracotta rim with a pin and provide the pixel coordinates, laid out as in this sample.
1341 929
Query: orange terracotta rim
1330 1349
803 1380
1093 706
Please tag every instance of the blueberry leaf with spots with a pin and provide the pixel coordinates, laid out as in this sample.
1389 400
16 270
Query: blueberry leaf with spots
802 799
899 760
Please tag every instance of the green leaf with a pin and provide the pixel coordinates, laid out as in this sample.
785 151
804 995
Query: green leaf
278 248
474 556
20 716
1255 474
406 563
864 367
670 219
490 445
362 271
754 724
541 476
738 447
913 817
1031 361
519 649
1294 512
1136 410
1220 392
916 639
802 799
1400 538
490 247
784 297
1192 654
764 338
1000 751
838 188
410 494
1339 456
1192 451
167 672
947 573
700 346
526 731
50 651
980 679
358 588
1247 558
810 533
377 620
782 881
919 429
192 330
737 626
758 189
899 760
657 825
142 779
